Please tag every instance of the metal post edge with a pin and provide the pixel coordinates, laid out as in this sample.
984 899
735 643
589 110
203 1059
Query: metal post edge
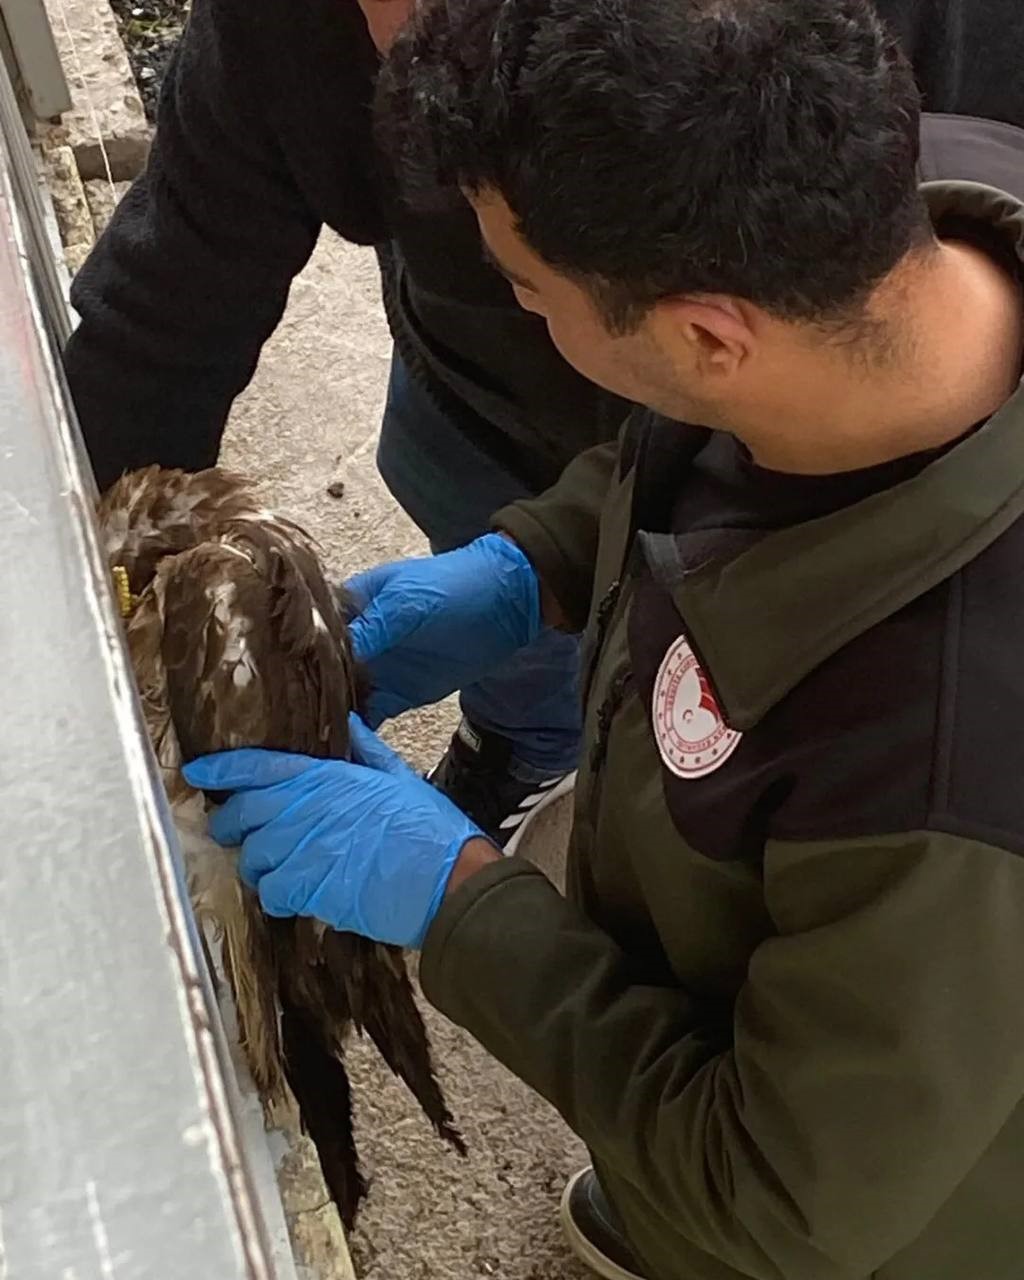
200 1022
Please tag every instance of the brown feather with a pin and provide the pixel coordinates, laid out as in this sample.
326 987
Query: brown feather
382 1003
321 1086
237 640
250 967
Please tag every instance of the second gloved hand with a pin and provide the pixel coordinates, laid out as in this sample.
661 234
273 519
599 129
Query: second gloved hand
366 847
429 626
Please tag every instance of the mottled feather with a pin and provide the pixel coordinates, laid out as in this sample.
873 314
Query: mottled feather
237 640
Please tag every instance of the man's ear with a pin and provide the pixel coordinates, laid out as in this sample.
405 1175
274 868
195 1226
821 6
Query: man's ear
720 332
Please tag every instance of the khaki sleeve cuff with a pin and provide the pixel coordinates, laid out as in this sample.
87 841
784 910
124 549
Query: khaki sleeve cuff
560 575
477 894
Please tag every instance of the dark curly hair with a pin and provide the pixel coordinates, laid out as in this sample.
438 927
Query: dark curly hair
649 148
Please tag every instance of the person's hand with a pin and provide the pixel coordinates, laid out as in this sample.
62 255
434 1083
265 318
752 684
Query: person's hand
367 848
429 626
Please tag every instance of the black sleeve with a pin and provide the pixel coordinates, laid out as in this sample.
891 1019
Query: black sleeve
192 274
967 54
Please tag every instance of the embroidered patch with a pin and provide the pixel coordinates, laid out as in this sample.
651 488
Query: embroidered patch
692 737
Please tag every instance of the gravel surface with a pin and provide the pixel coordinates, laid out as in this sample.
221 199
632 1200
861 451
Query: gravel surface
149 29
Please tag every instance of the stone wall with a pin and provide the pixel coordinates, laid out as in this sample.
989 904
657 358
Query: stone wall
106 126
91 156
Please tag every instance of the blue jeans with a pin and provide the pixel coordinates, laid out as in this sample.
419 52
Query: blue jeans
451 489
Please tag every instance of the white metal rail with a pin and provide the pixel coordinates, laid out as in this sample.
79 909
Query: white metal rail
31 56
121 1152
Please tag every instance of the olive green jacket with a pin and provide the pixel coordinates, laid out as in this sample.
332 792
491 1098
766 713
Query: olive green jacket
782 1000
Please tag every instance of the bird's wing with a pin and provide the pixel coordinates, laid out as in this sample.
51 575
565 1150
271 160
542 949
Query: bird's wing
257 654
251 658
254 657
249 661
156 512
145 631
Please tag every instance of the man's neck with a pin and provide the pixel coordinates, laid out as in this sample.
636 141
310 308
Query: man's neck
962 318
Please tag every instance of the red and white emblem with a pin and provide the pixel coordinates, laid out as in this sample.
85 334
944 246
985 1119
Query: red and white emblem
692 737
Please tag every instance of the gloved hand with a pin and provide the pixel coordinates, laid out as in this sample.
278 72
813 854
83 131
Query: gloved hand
429 626
368 848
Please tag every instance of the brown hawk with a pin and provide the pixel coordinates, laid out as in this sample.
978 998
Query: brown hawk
237 640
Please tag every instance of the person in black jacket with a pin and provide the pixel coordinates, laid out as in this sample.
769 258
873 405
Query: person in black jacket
264 136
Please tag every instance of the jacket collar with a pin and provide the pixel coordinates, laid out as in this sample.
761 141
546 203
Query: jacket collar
763 617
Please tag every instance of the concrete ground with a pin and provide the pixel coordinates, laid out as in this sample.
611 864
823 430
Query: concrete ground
309 419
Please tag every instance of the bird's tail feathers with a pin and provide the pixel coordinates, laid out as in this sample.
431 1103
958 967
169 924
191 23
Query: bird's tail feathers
380 999
319 1081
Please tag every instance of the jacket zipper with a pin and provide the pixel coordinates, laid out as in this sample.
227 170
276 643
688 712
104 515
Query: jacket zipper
606 714
610 599
595 642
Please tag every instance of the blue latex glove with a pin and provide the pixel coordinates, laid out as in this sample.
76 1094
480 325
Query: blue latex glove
368 848
429 626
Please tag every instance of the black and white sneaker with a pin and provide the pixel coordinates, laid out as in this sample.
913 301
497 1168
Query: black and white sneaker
479 774
592 1231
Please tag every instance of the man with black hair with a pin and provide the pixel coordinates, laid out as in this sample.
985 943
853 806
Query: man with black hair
264 136
780 1001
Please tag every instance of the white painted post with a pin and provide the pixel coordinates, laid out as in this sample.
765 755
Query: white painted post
35 55
121 1152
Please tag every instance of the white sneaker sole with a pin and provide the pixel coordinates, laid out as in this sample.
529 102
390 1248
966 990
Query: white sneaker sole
587 1252
547 798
